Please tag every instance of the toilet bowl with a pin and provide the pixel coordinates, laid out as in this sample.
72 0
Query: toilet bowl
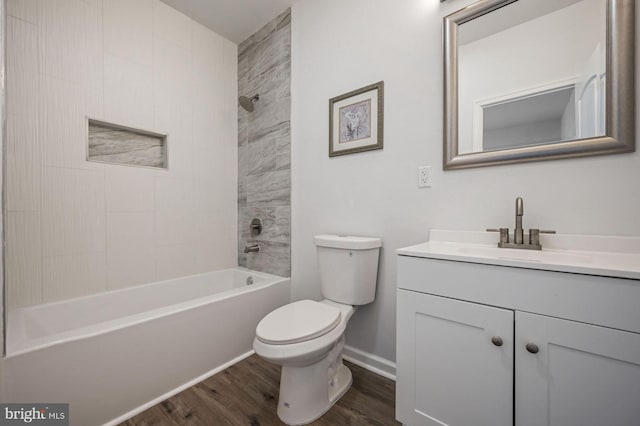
310 355
307 337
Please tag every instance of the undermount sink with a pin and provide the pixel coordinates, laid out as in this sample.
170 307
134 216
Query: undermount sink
585 254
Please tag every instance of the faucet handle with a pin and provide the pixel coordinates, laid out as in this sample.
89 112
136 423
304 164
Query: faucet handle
504 234
534 235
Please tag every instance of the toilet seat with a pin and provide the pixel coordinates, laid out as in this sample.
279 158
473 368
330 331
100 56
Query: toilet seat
298 322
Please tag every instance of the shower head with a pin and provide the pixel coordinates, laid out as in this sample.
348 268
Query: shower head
247 103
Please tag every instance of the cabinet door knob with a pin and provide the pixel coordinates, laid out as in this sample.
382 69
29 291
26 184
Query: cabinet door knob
497 340
532 348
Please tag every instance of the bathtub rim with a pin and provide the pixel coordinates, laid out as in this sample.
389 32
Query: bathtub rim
113 325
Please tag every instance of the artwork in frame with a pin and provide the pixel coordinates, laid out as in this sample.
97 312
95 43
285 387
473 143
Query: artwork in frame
356 120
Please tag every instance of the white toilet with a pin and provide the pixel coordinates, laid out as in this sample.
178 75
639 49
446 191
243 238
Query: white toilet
307 337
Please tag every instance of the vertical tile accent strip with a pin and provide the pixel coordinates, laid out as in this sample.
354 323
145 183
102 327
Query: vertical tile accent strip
264 146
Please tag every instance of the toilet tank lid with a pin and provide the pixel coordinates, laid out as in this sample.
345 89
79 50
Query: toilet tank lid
347 242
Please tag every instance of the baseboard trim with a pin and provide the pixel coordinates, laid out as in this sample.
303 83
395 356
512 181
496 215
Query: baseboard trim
374 363
177 390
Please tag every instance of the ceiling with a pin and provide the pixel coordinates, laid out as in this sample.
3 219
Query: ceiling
233 19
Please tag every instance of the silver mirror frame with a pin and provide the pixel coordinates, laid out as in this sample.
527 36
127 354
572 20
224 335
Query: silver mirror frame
620 101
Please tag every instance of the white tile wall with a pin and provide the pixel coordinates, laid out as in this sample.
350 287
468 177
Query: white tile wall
92 64
133 230
210 227
24 256
173 194
128 92
171 25
23 164
60 39
129 266
71 276
175 212
179 129
73 211
128 30
130 249
22 67
61 124
95 3
172 78
23 9
139 195
175 261
76 227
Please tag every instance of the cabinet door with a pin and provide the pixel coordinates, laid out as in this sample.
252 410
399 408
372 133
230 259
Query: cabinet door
582 375
449 372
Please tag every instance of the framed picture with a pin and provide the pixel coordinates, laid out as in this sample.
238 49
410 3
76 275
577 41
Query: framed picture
356 120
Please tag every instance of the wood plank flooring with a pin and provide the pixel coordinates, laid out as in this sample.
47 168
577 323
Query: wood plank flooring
247 394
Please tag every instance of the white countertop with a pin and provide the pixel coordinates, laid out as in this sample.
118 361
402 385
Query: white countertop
609 256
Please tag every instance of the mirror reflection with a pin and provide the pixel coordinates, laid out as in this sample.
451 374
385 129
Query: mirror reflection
532 73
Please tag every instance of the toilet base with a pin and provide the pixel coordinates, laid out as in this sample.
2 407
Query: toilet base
306 394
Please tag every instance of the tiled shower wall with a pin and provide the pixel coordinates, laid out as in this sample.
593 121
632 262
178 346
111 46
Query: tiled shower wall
264 147
75 227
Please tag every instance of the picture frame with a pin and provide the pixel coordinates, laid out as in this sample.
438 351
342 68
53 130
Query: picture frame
356 120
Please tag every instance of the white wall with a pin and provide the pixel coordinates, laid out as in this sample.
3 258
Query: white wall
341 45
76 227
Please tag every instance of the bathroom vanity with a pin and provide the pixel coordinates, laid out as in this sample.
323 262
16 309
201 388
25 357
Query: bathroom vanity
492 336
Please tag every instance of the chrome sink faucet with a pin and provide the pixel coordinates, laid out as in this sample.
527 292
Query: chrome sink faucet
518 232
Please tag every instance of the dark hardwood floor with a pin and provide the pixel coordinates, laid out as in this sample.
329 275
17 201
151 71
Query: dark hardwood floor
247 394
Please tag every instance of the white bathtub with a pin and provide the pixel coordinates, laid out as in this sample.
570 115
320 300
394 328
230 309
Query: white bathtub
114 354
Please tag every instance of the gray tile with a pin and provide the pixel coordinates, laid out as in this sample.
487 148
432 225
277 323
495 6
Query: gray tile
283 21
243 126
269 54
264 146
269 189
273 258
244 48
243 154
242 259
261 157
272 133
283 150
242 197
275 223
274 113
283 224
273 198
267 182
243 72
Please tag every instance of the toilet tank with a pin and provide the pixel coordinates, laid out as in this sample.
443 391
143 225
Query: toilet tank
348 268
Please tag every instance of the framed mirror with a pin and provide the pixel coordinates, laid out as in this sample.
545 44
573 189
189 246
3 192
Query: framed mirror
531 80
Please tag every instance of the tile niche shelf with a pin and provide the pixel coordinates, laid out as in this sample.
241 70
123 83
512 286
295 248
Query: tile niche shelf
117 144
